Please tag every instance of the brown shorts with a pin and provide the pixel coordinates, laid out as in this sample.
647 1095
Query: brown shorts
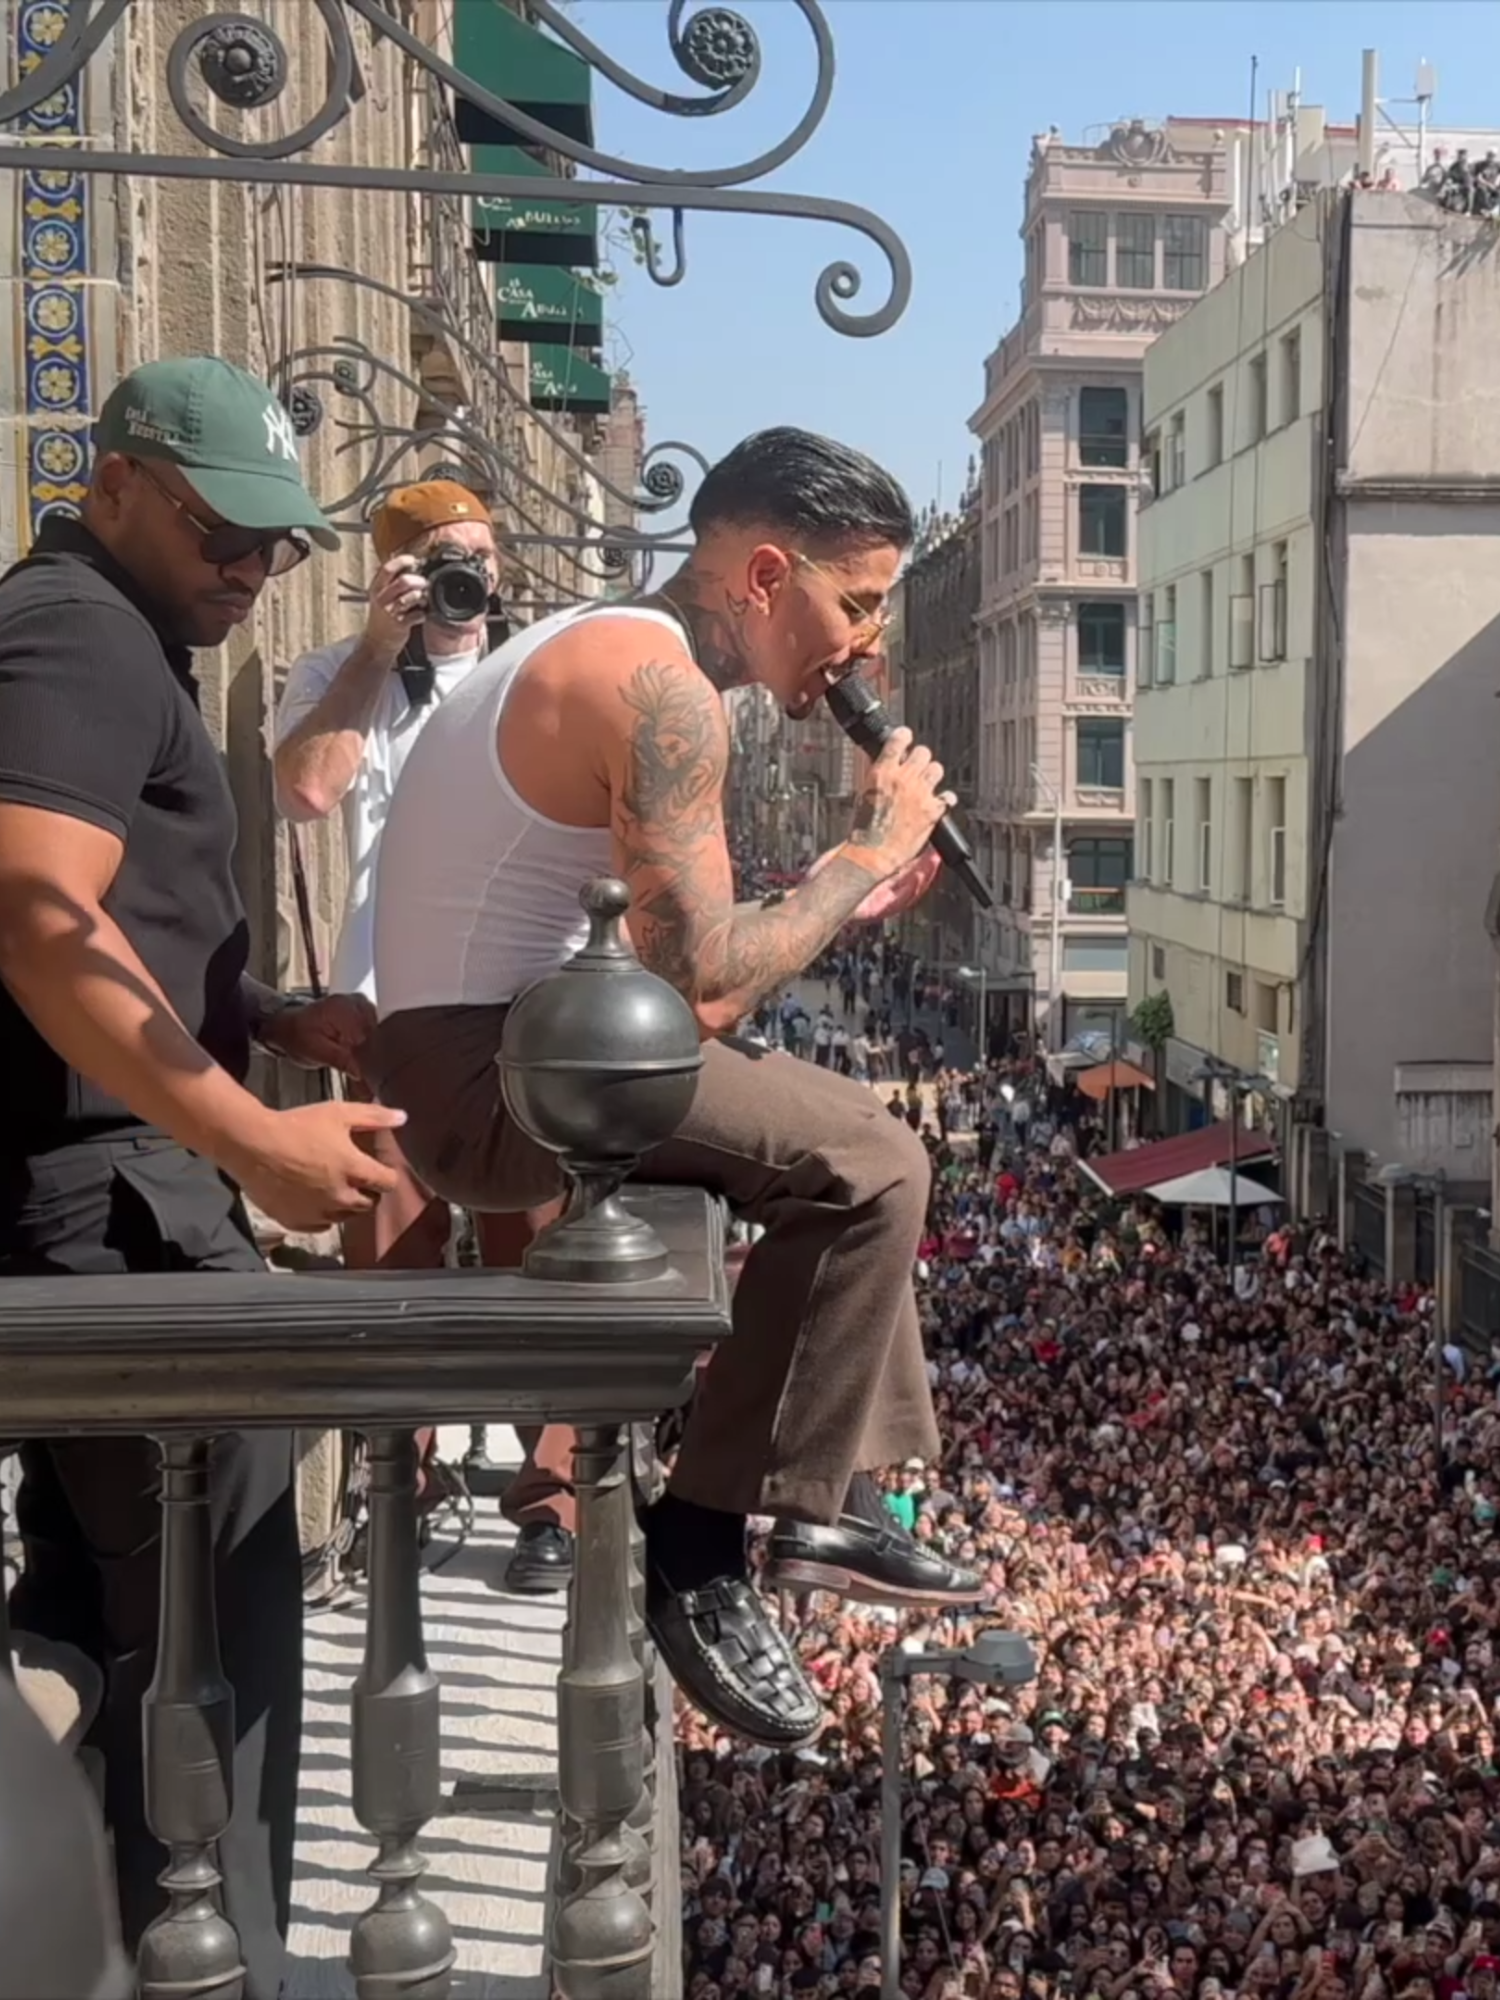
438 1065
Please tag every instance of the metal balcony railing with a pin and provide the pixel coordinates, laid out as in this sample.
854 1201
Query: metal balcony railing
186 1357
1097 902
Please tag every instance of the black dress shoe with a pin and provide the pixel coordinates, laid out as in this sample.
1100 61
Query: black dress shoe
722 1649
541 1561
871 1565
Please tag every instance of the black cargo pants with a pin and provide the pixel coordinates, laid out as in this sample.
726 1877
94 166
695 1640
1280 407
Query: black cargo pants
91 1529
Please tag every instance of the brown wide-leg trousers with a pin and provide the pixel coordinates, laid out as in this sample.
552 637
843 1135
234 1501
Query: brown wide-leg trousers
408 1230
825 1374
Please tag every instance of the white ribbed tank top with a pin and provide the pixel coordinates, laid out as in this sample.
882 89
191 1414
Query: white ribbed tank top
477 894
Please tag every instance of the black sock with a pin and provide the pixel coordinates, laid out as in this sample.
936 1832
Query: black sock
691 1545
864 1503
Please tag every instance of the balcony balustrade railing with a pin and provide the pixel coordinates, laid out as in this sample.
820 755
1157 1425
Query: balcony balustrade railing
1097 901
182 1358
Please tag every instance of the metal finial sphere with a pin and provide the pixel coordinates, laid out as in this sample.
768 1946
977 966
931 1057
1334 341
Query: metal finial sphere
599 1063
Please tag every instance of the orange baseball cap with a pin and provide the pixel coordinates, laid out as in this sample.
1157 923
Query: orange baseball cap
415 510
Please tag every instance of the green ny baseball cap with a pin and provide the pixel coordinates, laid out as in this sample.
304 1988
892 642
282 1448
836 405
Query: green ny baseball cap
232 439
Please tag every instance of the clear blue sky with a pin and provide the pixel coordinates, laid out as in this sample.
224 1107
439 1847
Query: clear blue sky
933 112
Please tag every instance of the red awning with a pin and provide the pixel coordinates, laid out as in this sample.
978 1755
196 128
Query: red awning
1144 1166
1100 1081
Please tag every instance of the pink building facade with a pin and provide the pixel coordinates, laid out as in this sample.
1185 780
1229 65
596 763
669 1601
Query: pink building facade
1121 237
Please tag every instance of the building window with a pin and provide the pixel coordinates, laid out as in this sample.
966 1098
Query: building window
1239 885
1169 831
1145 644
1258 414
1158 961
1214 442
1242 617
1203 789
1036 260
1291 377
1145 811
1234 992
1165 662
1103 415
1184 253
1101 638
1101 753
1098 870
1088 247
1206 622
1276 842
1101 521
1135 252
1272 612
1176 466
1095 954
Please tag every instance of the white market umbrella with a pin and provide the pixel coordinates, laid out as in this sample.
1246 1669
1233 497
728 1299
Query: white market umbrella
1212 1187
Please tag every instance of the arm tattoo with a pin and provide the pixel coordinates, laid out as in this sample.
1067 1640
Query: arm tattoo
669 831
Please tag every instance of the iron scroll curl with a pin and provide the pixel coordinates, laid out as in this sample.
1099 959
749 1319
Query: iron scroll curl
240 61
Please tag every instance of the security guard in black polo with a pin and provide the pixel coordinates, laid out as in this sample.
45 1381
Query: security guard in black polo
126 1019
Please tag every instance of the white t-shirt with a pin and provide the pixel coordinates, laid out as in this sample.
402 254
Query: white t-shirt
394 728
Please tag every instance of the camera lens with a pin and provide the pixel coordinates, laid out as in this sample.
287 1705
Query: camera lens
458 587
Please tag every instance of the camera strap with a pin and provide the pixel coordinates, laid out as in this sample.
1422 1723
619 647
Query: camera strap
419 676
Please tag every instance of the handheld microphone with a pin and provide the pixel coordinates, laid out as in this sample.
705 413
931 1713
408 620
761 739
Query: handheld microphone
860 713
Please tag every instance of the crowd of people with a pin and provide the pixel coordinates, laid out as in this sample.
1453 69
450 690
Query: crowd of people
1258 1756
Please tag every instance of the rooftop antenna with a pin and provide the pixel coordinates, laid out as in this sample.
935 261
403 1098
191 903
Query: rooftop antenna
1423 90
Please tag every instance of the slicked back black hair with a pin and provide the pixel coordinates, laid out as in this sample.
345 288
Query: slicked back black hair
817 493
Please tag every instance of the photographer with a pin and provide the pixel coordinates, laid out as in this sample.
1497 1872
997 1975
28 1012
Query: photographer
348 718
349 715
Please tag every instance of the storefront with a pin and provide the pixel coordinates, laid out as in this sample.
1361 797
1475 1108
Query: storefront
1183 1104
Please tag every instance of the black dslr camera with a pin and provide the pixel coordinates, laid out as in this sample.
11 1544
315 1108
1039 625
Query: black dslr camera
458 585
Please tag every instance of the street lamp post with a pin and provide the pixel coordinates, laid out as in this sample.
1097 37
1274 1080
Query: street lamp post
1239 1084
1053 797
976 975
996 1659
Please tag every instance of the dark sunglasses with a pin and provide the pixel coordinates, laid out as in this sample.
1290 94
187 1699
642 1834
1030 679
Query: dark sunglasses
224 545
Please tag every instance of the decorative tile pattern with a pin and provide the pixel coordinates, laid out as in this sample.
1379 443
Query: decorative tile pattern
54 239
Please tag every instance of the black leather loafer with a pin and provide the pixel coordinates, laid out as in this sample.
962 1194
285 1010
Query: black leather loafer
540 1562
871 1565
730 1660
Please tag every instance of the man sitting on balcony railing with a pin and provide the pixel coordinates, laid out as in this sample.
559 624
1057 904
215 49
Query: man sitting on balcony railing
597 742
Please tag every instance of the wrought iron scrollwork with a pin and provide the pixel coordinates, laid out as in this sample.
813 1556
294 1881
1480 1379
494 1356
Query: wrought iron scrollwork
238 61
352 369
643 235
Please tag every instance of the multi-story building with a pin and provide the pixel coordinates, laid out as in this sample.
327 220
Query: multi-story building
1317 807
1121 237
940 700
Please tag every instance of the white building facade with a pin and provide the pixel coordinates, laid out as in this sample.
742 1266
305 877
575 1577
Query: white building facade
1317 730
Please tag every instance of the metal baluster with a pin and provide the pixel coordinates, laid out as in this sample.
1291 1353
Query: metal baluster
7 1665
191 1949
639 1829
601 1933
402 1948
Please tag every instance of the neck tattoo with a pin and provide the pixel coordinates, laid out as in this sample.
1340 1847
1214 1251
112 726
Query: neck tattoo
714 619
